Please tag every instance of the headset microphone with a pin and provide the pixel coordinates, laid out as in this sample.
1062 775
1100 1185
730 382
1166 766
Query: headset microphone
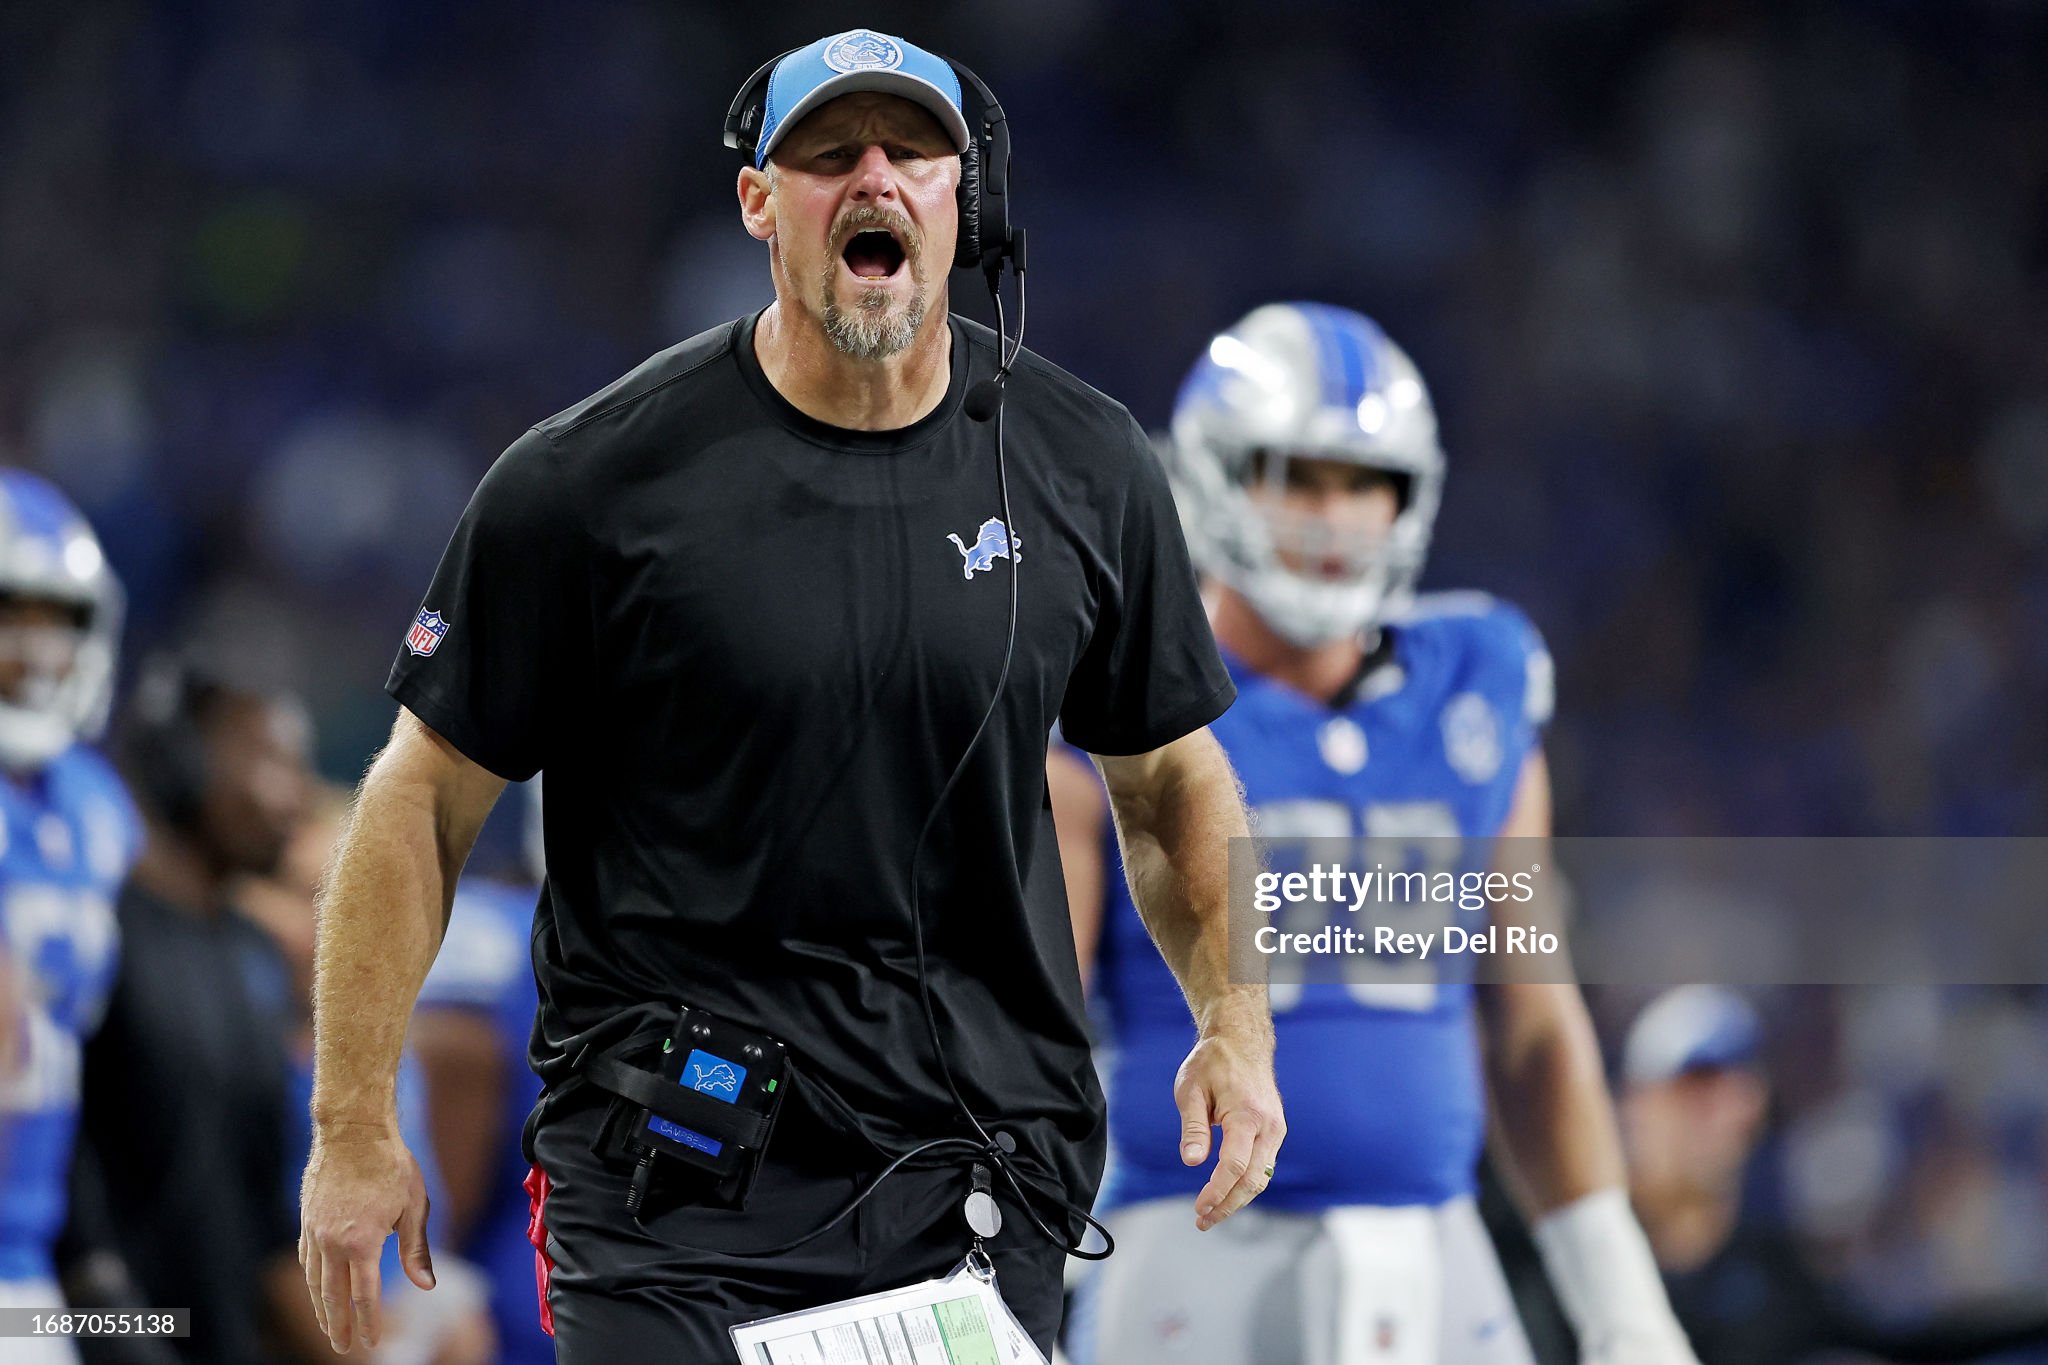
985 399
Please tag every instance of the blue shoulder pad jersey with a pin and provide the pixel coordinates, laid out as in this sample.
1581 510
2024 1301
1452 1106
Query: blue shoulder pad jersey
1385 1103
68 835
486 966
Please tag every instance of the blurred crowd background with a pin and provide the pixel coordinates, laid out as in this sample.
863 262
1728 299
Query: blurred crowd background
1736 315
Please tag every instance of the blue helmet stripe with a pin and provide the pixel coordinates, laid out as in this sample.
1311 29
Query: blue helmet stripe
1351 359
39 509
1347 350
1329 361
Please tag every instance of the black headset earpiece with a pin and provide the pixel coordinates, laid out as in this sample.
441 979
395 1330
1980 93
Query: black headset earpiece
985 238
166 742
967 246
743 117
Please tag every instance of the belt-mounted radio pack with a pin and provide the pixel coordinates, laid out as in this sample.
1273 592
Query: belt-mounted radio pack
705 1107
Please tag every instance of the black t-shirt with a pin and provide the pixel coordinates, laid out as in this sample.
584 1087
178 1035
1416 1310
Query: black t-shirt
184 1103
748 648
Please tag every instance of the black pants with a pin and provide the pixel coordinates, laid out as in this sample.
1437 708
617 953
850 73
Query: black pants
670 1288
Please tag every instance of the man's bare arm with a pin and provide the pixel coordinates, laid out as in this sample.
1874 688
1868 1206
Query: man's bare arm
382 913
383 910
1560 1149
1554 1119
1177 808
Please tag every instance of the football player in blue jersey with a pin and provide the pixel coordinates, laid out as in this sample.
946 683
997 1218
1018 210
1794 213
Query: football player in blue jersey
1305 457
470 1031
67 837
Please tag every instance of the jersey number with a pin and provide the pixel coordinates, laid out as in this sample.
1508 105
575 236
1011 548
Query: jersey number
1404 836
59 943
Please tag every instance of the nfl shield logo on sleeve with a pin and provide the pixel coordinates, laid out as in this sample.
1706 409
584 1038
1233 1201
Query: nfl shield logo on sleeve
425 635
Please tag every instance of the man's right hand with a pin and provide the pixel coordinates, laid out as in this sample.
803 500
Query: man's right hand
1227 1082
361 1184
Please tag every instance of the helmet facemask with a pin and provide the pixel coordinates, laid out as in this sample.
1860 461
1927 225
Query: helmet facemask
52 671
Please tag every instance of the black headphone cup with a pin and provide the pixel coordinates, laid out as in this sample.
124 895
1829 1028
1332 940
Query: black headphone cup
167 762
743 116
967 250
171 768
166 746
984 198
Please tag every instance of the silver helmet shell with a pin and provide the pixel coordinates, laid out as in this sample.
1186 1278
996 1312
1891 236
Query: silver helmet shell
1304 381
49 553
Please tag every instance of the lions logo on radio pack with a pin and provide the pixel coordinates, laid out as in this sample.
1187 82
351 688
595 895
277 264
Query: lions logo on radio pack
427 629
863 49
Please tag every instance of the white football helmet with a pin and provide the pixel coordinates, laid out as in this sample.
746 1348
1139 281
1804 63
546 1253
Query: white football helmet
1305 381
49 554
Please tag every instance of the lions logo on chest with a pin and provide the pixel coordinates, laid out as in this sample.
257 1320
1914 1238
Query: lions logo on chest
991 543
1472 744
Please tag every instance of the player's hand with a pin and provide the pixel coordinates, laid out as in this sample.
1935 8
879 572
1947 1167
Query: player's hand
361 1184
1227 1082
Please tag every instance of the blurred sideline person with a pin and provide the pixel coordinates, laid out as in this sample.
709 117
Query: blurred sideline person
182 1164
450 1326
470 1032
67 837
1304 451
1693 1110
726 605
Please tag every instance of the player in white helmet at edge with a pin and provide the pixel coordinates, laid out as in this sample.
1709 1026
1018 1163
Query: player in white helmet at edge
1304 453
68 835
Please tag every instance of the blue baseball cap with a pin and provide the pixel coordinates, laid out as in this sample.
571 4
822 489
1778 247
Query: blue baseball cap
859 59
1692 1028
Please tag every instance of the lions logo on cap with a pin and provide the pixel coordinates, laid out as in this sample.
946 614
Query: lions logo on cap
863 49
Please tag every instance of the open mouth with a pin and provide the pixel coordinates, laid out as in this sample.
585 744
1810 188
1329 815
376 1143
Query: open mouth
873 254
1335 568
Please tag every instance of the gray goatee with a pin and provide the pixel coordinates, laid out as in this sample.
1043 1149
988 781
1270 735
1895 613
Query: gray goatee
872 329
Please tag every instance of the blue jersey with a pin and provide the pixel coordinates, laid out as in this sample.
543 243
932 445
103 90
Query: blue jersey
486 966
1384 1099
68 835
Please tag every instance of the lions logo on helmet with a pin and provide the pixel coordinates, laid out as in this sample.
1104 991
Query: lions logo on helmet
1305 381
56 667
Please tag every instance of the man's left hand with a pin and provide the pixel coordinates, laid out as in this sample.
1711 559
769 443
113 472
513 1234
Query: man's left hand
1227 1082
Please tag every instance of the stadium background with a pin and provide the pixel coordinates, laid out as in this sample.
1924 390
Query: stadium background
1736 315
